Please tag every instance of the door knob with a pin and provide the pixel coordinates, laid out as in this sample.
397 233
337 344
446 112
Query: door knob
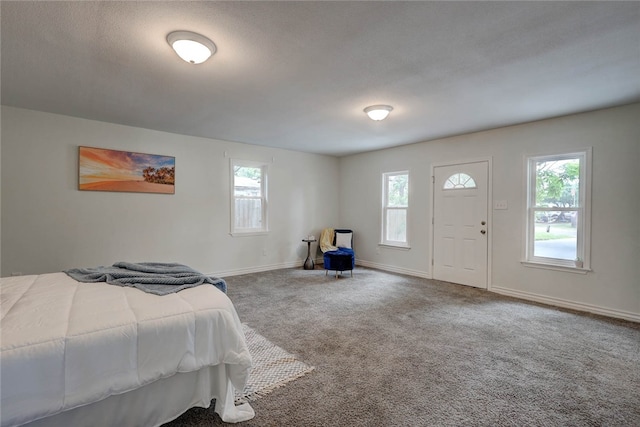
482 222
483 231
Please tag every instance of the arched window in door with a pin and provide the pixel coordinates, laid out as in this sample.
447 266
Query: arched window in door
459 181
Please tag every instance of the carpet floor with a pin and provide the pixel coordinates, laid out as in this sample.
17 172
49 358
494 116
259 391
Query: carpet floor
394 350
272 367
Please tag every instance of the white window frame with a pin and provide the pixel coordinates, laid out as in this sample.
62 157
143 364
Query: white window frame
386 208
583 227
264 167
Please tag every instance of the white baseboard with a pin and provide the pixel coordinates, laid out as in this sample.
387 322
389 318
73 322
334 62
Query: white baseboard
318 261
559 302
257 269
393 269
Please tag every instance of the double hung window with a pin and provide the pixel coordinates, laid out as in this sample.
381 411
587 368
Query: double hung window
558 209
395 208
248 197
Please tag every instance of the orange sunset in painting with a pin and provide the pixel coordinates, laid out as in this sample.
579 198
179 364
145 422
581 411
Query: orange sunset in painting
110 170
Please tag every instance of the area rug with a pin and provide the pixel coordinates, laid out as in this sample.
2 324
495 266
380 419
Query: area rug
272 367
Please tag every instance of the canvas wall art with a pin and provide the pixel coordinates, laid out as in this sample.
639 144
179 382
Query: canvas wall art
101 169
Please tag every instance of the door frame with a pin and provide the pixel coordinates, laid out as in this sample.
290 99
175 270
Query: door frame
489 161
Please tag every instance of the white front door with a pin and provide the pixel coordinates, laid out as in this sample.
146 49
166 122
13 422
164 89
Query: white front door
460 223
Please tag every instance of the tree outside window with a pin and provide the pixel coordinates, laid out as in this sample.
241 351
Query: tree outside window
557 209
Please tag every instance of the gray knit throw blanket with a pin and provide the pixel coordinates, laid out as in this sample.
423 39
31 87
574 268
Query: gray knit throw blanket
152 277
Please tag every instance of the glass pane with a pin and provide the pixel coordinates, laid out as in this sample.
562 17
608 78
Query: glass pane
248 213
555 237
558 183
396 225
398 190
246 181
459 180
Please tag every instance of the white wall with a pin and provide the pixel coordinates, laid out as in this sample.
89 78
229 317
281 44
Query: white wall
613 287
0 194
48 225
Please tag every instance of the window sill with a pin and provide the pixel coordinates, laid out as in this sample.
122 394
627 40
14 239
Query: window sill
249 233
565 268
401 247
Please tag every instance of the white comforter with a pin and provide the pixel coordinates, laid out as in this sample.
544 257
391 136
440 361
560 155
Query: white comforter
66 344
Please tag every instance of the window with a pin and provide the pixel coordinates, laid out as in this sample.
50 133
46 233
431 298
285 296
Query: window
558 209
248 197
395 202
459 181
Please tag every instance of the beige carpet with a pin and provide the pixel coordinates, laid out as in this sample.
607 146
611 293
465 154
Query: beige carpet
394 350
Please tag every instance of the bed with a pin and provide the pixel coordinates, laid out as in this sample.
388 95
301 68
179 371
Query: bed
94 354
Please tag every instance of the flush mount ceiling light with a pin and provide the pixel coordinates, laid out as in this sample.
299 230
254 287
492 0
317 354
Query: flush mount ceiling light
191 47
378 112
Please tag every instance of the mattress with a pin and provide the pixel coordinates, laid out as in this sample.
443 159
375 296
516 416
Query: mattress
67 344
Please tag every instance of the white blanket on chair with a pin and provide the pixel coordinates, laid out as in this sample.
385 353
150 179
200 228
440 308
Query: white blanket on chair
326 240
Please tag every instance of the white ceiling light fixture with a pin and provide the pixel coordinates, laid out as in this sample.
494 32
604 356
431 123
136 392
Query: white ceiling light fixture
378 112
191 47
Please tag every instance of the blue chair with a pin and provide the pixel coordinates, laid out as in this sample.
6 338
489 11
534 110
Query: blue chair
344 258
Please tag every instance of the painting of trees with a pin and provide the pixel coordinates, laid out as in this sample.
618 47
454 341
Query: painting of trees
163 175
103 169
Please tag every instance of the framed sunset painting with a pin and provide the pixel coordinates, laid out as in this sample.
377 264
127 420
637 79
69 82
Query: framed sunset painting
101 169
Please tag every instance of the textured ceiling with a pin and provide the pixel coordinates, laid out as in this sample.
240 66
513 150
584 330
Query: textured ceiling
297 75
